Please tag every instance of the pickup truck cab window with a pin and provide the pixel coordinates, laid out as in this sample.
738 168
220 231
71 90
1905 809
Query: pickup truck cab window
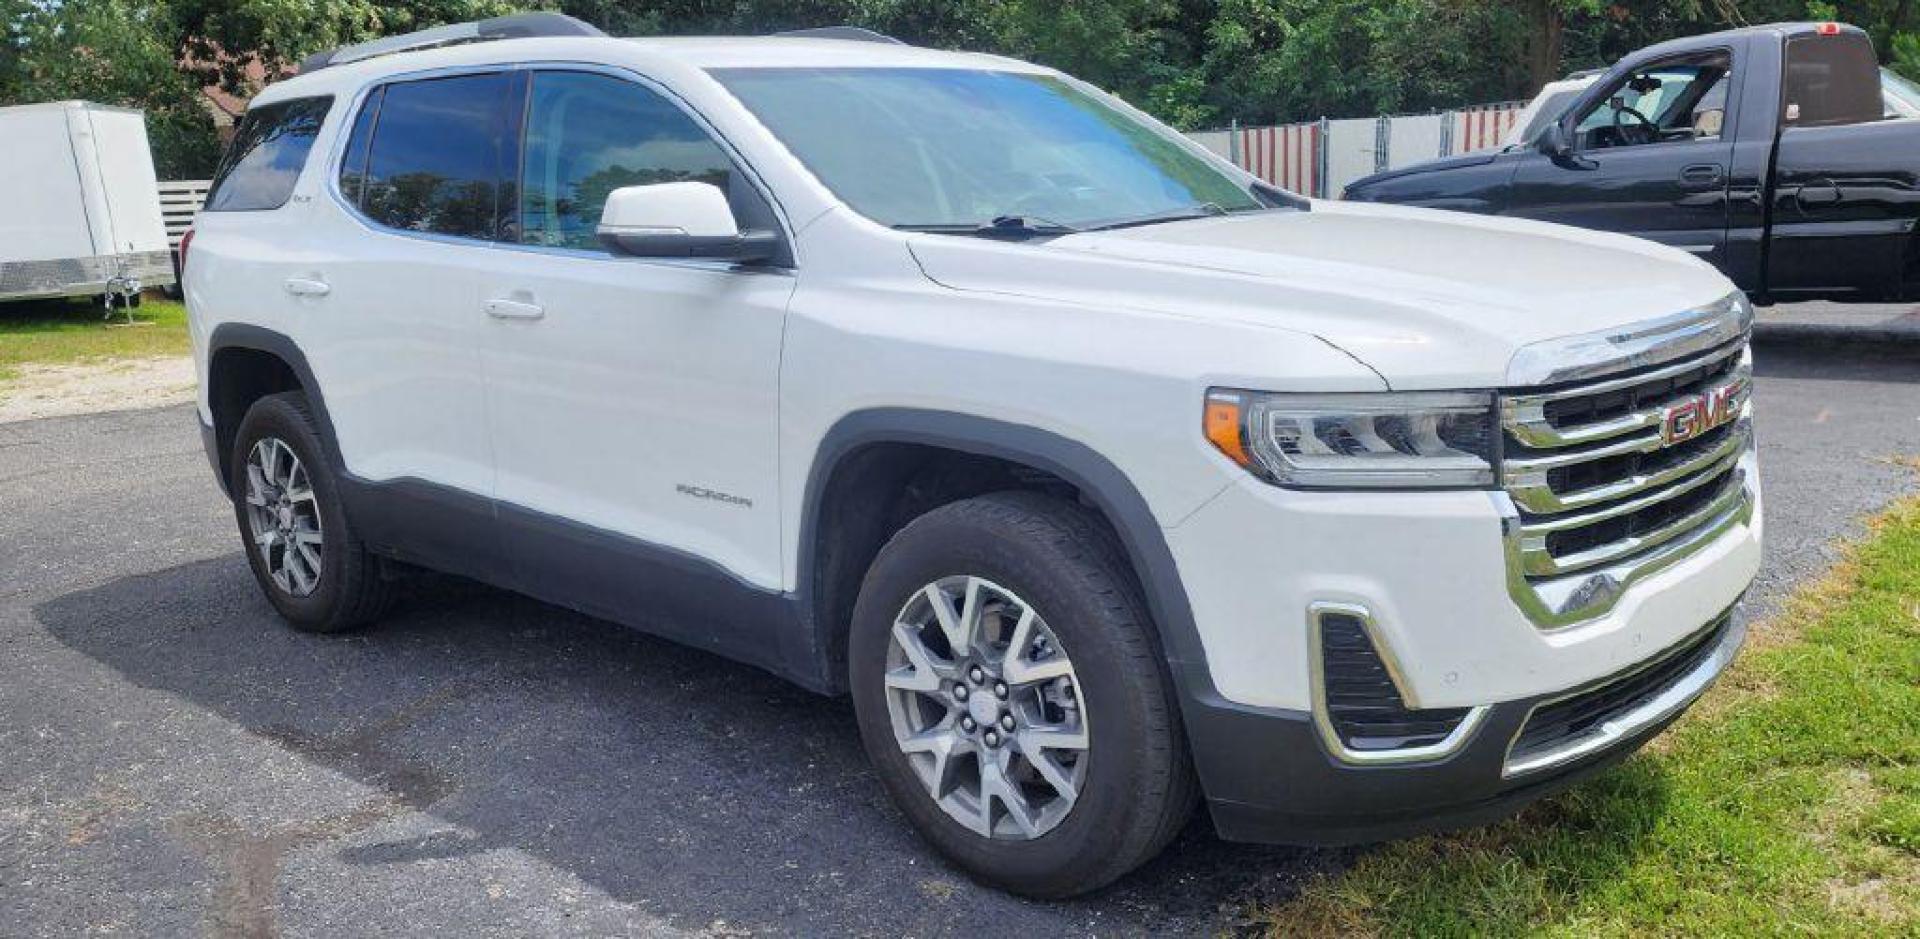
956 149
1666 102
1830 80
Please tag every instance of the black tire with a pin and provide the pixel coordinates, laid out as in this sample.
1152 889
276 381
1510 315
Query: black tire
1139 789
350 591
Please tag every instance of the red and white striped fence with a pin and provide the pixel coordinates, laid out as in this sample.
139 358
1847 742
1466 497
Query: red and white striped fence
1287 156
1483 126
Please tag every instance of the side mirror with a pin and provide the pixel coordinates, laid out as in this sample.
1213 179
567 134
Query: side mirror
1553 141
679 220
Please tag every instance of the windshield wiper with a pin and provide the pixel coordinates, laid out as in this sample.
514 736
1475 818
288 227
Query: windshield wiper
1202 210
1002 226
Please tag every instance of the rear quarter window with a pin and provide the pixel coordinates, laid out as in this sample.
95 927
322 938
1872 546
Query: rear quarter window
268 151
1831 80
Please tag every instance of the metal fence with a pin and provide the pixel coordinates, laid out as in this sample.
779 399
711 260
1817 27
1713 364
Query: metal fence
1319 158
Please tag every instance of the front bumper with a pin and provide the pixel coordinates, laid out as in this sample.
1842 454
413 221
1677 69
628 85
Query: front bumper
1430 574
1269 779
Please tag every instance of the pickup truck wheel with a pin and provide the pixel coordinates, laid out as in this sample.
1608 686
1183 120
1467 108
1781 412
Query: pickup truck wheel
1011 699
303 551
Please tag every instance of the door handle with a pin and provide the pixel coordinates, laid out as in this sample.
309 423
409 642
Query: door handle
307 287
1703 175
502 309
1819 192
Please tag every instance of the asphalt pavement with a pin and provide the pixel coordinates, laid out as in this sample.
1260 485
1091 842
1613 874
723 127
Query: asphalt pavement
174 761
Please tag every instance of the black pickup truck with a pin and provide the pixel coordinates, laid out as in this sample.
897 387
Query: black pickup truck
1764 150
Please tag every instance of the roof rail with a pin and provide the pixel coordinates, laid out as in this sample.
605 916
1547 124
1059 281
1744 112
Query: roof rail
517 26
848 33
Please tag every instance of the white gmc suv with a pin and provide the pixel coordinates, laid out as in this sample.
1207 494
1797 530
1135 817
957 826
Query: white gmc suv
1104 477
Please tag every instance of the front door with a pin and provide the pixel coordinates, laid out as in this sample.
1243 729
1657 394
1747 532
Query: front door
1651 158
633 402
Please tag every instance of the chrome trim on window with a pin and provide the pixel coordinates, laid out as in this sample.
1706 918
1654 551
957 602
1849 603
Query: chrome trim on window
343 133
1323 720
1668 702
1653 342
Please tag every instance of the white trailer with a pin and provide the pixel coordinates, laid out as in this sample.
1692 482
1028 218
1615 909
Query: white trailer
82 206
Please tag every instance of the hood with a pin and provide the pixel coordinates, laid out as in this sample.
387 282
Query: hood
1475 158
1428 299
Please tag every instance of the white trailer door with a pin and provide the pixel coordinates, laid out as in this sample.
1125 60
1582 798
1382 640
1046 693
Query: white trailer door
127 176
45 217
116 177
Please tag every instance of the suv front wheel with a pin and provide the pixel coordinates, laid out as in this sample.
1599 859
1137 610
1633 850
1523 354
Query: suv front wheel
1010 695
306 556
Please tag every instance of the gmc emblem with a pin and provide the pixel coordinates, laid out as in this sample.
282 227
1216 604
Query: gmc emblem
1685 420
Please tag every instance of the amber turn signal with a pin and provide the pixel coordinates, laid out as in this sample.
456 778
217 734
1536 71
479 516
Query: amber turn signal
1222 425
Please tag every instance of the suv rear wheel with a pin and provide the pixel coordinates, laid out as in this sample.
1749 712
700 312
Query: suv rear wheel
1010 695
303 551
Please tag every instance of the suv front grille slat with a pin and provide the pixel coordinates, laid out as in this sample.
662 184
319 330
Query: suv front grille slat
1564 729
1603 491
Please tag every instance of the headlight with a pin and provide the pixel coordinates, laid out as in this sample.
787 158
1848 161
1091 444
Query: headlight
1357 441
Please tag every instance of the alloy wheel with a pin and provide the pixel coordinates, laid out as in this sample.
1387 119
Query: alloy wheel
986 706
283 516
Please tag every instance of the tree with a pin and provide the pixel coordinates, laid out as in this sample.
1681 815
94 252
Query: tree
113 52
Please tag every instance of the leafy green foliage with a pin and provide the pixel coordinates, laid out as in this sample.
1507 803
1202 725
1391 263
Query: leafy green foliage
113 52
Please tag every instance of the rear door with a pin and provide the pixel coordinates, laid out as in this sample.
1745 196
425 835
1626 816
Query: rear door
1844 194
1651 158
390 281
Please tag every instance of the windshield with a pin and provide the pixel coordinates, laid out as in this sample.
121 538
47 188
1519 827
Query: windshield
1903 98
946 149
1544 111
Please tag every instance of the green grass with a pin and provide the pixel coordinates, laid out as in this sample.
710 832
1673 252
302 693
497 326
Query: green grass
69 332
1787 803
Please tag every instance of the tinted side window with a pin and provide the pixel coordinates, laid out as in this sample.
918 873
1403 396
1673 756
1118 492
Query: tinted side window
353 167
1831 80
267 153
441 158
588 135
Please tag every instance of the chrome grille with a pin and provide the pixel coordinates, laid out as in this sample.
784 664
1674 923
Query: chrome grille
1604 492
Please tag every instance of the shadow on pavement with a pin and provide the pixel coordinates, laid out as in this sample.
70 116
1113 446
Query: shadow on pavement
1815 350
659 774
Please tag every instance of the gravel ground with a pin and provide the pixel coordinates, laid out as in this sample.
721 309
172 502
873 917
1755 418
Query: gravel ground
173 761
60 390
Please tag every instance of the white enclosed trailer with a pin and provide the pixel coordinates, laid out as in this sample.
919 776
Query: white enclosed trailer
81 205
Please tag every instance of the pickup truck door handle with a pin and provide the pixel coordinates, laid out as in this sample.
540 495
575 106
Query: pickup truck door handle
504 309
307 287
1702 175
1819 192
